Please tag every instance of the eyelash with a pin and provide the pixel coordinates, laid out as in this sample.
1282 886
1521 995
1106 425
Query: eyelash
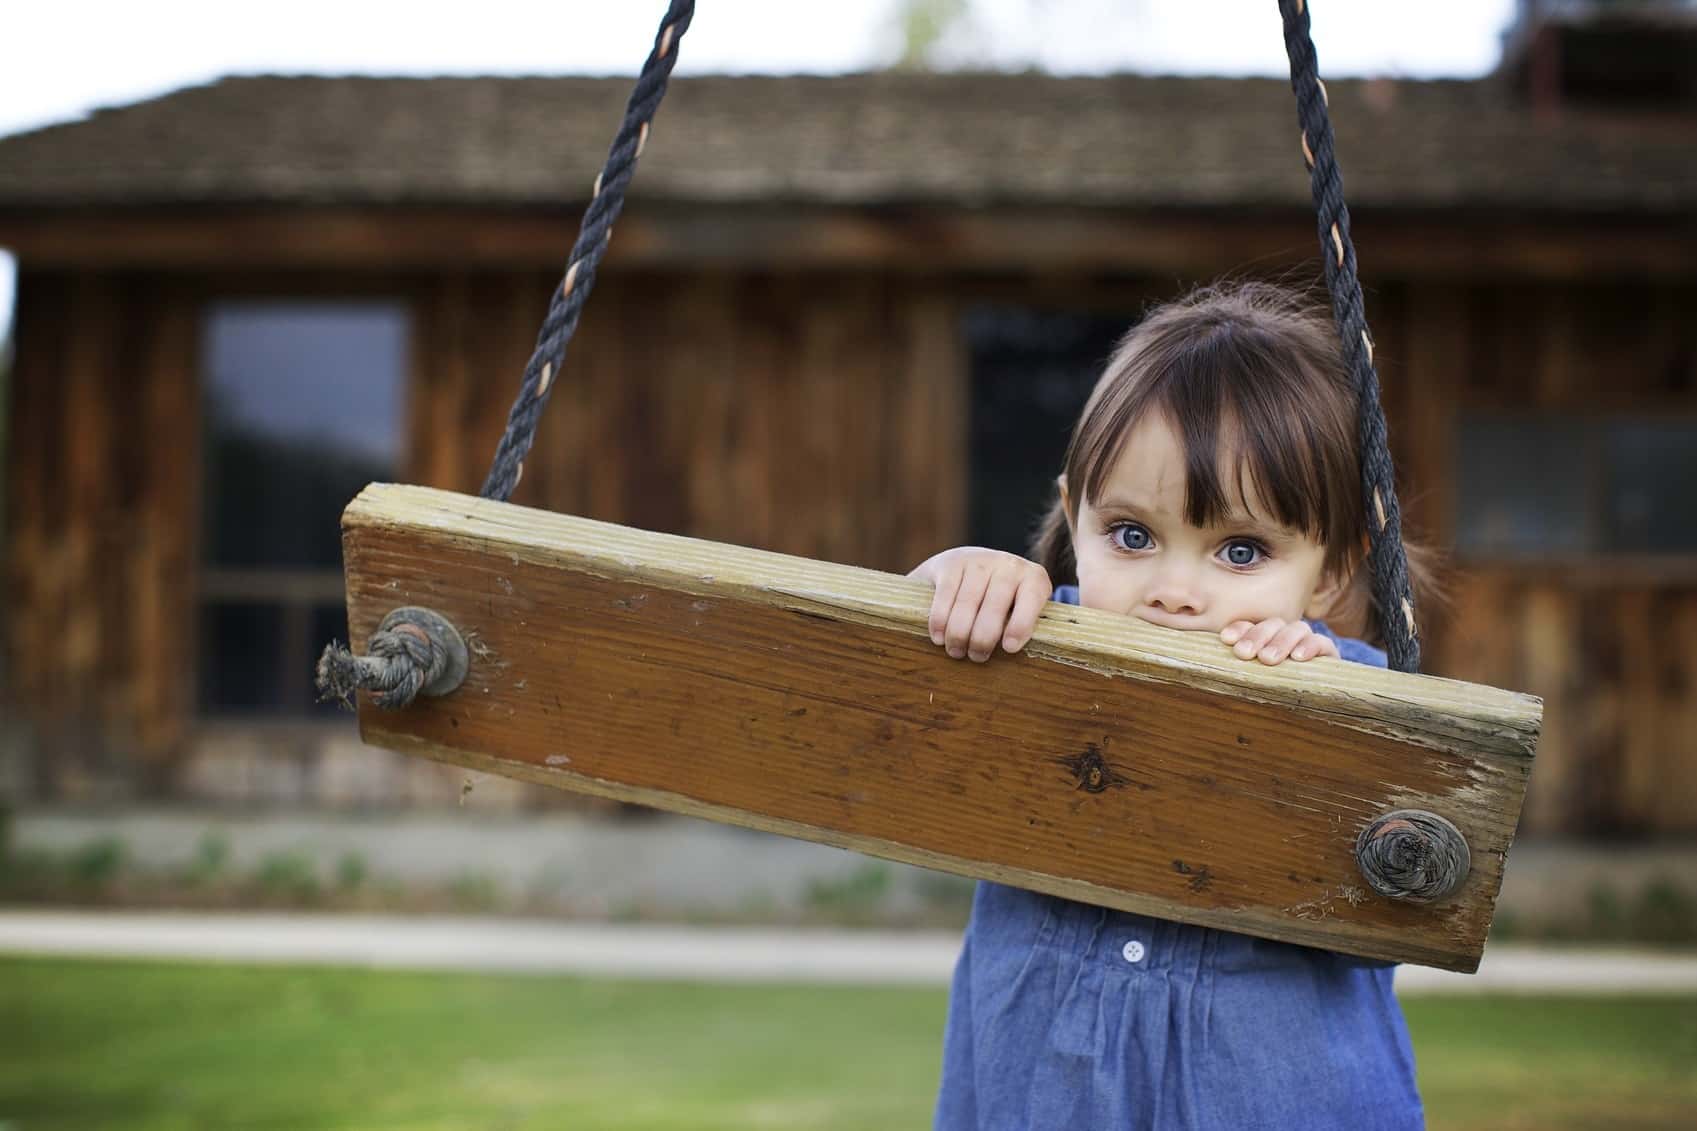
1259 548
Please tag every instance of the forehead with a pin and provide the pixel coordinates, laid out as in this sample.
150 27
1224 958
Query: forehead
1149 474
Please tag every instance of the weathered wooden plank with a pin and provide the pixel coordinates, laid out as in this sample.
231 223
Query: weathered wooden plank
1548 661
1634 694
1111 761
1428 386
754 448
34 571
165 566
1676 721
87 484
461 380
926 433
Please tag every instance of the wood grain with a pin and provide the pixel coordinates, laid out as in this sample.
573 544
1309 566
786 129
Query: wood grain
1112 761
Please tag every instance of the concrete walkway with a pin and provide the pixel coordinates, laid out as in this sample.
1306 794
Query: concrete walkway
582 867
711 954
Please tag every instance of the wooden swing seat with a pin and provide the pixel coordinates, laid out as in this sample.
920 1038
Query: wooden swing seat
1112 761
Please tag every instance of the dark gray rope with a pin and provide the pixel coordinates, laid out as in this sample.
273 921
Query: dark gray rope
1391 589
389 674
403 661
398 664
1413 856
591 244
1407 855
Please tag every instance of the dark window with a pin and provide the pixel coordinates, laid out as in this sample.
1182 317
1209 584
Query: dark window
1652 501
243 648
303 408
1530 485
1031 372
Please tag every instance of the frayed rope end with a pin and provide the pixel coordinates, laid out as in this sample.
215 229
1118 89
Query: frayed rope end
338 675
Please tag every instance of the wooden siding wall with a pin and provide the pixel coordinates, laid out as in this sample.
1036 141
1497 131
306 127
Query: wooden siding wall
819 416
815 415
822 415
1604 641
102 525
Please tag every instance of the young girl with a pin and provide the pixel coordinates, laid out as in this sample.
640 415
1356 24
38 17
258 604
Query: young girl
1213 484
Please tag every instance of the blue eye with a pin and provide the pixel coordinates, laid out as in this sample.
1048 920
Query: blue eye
1130 536
1242 553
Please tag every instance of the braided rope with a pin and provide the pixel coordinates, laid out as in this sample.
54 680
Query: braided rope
596 230
1413 856
398 664
404 660
1392 591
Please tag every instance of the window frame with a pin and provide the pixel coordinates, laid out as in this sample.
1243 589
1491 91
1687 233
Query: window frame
1590 569
296 593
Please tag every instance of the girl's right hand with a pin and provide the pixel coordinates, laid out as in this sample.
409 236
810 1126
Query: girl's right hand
983 596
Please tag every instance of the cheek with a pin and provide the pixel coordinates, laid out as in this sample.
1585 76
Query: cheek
1095 594
1108 583
1282 593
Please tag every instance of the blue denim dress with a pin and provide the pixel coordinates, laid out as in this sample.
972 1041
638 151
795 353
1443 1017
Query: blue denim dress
1066 1015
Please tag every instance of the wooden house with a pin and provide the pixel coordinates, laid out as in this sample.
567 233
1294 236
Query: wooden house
846 317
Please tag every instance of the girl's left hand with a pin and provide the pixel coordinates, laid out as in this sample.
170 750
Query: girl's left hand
1270 641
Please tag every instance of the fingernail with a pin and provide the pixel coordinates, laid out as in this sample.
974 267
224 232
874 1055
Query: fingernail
1245 649
1011 644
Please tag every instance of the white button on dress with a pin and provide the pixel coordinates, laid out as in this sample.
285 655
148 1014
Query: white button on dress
1133 951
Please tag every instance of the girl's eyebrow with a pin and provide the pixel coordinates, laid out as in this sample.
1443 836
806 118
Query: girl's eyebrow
1236 521
1115 503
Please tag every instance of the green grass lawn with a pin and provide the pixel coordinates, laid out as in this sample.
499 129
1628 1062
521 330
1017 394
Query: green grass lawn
87 1044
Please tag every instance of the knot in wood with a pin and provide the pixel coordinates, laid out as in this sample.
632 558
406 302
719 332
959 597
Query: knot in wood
1092 771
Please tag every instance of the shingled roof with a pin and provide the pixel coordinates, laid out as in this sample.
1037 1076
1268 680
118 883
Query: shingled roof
956 139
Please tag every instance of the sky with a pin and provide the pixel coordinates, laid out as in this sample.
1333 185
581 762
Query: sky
59 61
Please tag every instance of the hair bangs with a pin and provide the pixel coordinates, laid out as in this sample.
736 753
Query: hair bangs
1262 414
1251 380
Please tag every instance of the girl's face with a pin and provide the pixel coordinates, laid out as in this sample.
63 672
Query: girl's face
1138 555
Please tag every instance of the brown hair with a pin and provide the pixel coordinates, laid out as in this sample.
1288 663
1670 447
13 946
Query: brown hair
1255 366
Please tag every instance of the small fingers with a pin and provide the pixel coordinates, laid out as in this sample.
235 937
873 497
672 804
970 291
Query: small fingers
1034 592
957 635
992 615
943 601
1315 646
1257 637
1283 641
981 597
1234 631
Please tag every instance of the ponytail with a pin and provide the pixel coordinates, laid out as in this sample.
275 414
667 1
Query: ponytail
1051 546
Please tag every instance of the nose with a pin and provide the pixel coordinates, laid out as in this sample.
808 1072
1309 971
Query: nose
1176 594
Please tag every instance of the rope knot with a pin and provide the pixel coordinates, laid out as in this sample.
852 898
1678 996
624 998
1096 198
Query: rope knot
1413 855
413 652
